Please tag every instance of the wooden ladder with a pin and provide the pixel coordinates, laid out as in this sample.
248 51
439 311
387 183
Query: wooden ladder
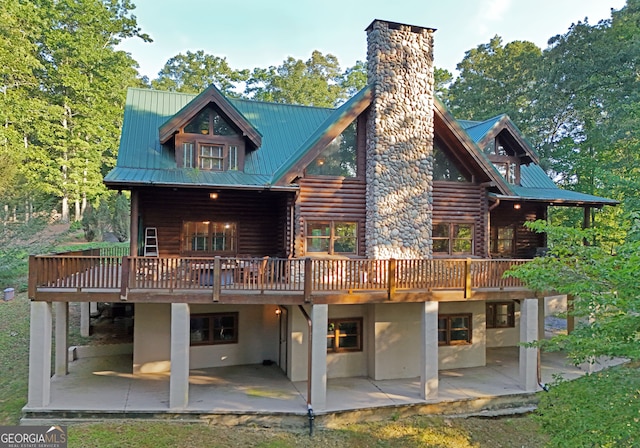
151 242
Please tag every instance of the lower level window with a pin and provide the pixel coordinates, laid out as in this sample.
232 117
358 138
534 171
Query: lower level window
500 315
454 329
215 328
344 335
452 239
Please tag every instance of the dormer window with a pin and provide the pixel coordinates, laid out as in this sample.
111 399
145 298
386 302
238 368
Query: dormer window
210 142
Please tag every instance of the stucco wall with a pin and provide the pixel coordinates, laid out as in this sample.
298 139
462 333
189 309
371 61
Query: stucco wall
396 331
340 365
257 338
505 337
297 342
474 354
152 338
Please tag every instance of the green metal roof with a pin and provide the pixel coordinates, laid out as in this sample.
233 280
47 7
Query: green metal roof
288 133
143 160
478 129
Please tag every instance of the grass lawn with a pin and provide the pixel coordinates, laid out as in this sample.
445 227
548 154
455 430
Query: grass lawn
416 431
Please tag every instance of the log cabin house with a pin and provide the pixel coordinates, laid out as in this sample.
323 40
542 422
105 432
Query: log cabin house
366 240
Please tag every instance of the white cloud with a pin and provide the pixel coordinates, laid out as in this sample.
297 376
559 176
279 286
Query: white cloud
491 11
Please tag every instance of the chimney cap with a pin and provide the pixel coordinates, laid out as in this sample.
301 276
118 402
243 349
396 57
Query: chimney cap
397 25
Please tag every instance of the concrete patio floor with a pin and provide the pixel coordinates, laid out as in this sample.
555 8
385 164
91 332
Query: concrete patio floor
104 387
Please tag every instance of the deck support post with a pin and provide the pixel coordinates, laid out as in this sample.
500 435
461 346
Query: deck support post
541 315
429 351
39 394
179 379
85 319
319 316
62 338
529 355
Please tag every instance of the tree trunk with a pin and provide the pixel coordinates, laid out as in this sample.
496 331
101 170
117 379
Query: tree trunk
64 217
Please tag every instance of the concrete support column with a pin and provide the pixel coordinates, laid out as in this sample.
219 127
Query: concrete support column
319 316
62 338
429 351
529 356
40 355
85 319
179 380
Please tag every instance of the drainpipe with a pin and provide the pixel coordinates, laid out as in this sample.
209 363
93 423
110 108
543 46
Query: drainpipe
310 414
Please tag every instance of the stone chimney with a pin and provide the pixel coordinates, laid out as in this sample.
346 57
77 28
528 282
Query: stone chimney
399 141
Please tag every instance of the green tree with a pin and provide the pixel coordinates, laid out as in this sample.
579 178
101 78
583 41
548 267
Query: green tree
442 82
589 110
496 79
19 25
604 281
354 79
315 82
601 409
194 72
83 81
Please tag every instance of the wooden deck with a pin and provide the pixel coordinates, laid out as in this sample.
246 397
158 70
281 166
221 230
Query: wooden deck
111 278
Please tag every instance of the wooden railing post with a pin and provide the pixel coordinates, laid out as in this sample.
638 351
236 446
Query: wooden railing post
217 279
393 264
307 279
33 277
467 278
124 278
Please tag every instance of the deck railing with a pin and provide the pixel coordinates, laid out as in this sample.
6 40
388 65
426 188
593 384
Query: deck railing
251 275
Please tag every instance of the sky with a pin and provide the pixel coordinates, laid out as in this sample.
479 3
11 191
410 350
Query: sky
263 33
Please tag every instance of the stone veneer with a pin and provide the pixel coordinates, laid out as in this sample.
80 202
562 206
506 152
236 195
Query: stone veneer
399 141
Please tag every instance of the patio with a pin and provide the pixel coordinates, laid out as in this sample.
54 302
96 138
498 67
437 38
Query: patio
257 393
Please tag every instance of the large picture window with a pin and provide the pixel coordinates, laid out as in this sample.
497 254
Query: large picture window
454 329
214 328
332 237
500 315
209 237
339 158
344 335
452 239
444 168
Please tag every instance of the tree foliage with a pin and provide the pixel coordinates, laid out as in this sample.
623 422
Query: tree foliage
603 281
315 82
64 86
497 79
194 72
